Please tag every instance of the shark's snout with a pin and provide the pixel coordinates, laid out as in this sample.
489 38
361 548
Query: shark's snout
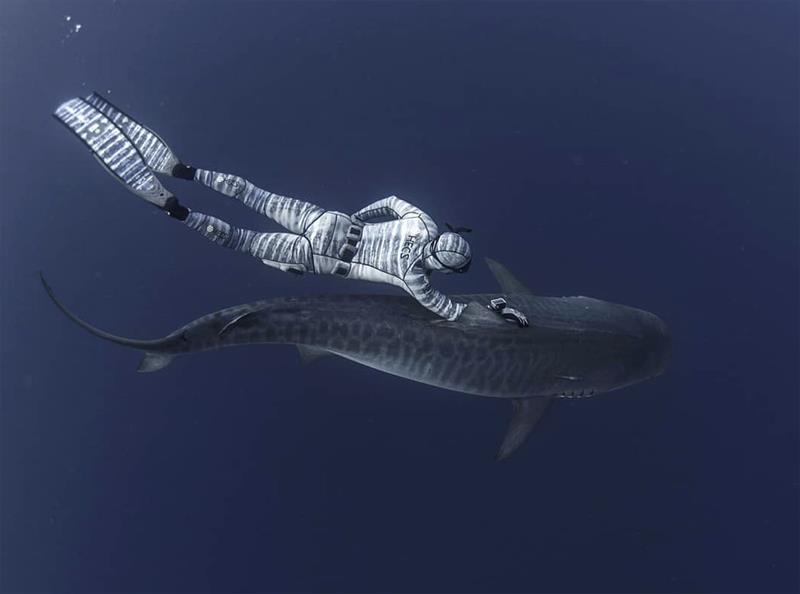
657 344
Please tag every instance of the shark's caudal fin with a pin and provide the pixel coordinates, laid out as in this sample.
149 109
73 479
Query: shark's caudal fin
145 345
508 282
527 413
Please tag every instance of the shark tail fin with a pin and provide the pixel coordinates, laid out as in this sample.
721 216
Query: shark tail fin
145 345
527 413
154 362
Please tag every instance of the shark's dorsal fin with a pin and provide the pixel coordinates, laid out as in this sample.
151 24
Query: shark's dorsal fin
507 281
309 354
154 362
527 412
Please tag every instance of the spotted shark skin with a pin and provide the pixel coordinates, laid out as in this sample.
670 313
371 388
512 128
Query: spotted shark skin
574 346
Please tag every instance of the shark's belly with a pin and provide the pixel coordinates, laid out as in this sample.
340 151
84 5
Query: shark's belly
462 364
459 378
517 363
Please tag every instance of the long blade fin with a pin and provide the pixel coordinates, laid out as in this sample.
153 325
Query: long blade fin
112 148
155 152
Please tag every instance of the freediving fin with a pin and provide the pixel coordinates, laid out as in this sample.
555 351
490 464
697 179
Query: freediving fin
527 413
152 148
309 354
112 149
154 362
509 284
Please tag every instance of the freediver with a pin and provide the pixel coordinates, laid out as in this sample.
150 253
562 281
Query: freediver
402 251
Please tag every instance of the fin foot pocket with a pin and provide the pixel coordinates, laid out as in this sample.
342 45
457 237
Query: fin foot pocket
182 171
175 209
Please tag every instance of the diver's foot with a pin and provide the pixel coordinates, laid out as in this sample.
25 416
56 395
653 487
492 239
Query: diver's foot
182 171
175 209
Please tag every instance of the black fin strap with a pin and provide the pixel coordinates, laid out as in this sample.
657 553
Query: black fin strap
175 209
182 171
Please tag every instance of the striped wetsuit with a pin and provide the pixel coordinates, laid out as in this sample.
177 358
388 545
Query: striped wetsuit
325 241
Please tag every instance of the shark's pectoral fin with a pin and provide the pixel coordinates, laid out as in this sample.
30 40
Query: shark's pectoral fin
527 412
309 354
154 362
507 281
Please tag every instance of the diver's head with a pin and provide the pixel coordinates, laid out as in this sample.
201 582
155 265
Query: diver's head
449 253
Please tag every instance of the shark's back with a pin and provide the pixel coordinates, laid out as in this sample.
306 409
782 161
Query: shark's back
574 346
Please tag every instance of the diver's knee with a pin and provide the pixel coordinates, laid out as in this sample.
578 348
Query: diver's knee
230 185
212 228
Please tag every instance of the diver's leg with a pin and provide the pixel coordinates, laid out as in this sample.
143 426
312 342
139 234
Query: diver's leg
132 152
295 215
286 251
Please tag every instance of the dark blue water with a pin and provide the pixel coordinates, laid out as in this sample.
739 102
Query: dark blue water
645 154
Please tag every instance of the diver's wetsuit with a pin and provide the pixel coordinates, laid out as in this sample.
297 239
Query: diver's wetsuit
329 242
402 252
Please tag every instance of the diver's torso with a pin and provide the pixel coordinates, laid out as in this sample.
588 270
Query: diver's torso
327 236
388 250
385 252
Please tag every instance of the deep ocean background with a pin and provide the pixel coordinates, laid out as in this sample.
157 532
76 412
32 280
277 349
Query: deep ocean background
643 153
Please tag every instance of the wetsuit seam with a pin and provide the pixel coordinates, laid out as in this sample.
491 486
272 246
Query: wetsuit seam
428 231
449 252
311 248
367 213
314 221
410 268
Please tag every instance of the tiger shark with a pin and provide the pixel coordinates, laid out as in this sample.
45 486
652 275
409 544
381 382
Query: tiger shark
574 347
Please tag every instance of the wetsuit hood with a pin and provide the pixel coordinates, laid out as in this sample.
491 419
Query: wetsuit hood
449 252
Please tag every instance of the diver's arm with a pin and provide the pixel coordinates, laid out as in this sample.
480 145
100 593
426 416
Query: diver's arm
392 207
420 287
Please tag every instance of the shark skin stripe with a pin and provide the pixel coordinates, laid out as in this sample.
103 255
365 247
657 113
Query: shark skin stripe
574 345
